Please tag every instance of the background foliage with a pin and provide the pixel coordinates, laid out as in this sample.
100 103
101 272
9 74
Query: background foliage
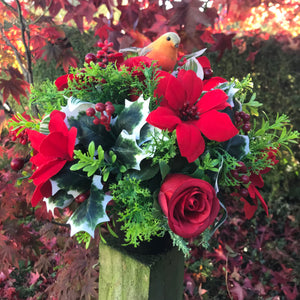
254 259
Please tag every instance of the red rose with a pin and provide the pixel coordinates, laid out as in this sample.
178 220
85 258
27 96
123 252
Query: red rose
190 204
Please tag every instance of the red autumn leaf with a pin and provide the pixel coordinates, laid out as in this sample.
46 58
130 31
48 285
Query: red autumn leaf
85 10
223 42
14 87
207 37
102 31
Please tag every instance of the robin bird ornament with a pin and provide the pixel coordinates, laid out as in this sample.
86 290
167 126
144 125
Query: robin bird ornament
163 50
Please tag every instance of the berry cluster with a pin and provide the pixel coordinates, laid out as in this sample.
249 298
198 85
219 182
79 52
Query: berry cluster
105 55
106 110
240 174
22 136
242 121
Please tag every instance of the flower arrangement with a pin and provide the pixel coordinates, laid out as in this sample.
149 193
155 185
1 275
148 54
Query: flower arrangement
124 144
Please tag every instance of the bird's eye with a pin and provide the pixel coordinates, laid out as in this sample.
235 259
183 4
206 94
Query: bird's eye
168 38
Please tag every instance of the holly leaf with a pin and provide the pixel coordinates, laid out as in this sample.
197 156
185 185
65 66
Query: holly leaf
92 211
133 117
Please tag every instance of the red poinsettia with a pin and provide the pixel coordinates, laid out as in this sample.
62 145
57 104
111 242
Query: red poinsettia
256 181
62 81
52 153
180 110
209 82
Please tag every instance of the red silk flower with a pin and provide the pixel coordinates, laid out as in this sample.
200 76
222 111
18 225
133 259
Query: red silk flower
180 110
53 151
62 81
190 204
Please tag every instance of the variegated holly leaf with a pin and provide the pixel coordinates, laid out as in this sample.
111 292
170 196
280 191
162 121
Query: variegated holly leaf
133 117
238 146
61 199
87 132
91 212
194 65
128 152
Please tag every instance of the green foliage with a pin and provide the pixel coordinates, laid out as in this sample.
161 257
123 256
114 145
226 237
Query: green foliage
162 147
180 243
46 96
21 123
133 205
88 163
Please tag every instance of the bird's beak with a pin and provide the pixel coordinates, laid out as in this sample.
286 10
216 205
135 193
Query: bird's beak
176 45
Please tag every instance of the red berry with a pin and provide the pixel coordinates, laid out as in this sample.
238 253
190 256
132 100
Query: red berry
235 174
246 127
107 103
244 193
238 119
100 106
241 167
245 179
100 44
246 117
208 73
90 112
110 109
81 198
97 121
17 164
90 57
103 119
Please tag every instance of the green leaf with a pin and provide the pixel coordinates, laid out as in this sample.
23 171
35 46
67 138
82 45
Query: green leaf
91 149
128 152
133 117
61 199
193 64
238 146
164 169
91 212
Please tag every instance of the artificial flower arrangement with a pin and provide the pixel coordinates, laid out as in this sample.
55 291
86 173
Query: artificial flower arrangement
124 144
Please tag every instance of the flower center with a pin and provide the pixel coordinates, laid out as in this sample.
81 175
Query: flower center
188 112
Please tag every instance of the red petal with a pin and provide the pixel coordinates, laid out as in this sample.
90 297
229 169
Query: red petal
163 78
257 180
204 62
215 99
175 93
212 83
217 126
35 138
45 172
55 145
43 190
190 141
71 141
57 122
39 159
193 86
163 118
249 209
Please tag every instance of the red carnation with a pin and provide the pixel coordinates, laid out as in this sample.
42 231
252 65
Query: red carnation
181 110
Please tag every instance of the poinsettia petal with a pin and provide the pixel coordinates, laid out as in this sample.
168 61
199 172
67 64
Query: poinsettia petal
249 209
48 170
57 122
257 180
55 145
39 159
35 138
190 141
43 190
204 62
163 78
71 141
193 86
212 83
175 93
217 126
163 118
215 99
